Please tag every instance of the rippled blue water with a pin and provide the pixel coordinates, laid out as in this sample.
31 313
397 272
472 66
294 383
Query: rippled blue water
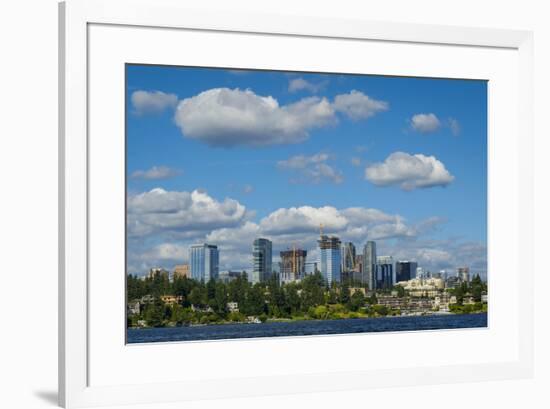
321 327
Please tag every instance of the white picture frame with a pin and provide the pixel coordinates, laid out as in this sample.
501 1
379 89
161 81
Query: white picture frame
76 18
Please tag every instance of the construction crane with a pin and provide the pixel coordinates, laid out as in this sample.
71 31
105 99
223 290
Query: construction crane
350 255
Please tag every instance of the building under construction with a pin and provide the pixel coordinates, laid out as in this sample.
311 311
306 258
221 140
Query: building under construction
331 267
293 263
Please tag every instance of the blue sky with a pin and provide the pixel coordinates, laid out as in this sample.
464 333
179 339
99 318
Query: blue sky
273 154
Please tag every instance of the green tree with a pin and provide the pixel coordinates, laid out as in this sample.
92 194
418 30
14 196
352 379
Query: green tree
313 288
182 286
211 291
344 296
380 309
332 297
220 305
476 293
255 303
160 285
400 291
238 289
476 288
196 296
276 298
155 314
372 300
292 297
459 293
136 288
357 301
321 312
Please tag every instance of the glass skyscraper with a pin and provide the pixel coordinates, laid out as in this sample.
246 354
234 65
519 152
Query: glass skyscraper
331 263
384 272
204 262
369 265
262 260
348 257
405 270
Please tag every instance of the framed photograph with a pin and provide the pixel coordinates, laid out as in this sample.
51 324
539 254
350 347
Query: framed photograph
283 205
300 207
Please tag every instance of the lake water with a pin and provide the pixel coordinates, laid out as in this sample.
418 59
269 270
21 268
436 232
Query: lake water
320 327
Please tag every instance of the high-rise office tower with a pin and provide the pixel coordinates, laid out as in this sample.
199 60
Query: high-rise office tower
405 270
329 247
384 272
369 265
204 262
357 273
358 263
464 274
182 271
262 261
348 257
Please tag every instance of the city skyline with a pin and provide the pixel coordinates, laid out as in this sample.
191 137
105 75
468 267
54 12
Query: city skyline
398 160
374 272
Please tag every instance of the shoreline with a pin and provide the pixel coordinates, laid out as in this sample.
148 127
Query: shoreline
301 319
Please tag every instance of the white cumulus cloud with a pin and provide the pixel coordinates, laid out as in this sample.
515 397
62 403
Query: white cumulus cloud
229 117
303 219
428 256
312 169
166 255
409 171
155 173
425 123
233 233
168 251
159 210
391 230
299 226
357 105
368 216
299 84
232 238
151 102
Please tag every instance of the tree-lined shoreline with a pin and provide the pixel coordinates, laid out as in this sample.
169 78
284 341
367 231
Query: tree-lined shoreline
239 301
